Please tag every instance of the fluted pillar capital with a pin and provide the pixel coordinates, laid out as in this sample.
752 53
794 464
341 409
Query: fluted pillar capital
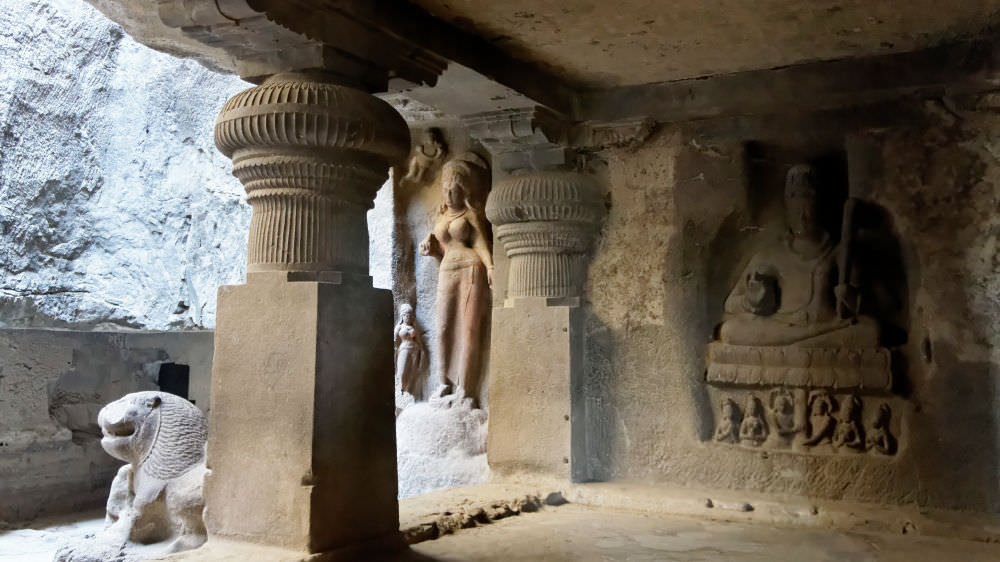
546 222
311 154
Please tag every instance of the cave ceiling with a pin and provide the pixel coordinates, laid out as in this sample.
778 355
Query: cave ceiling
593 60
603 44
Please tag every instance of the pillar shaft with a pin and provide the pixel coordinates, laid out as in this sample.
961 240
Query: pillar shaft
301 450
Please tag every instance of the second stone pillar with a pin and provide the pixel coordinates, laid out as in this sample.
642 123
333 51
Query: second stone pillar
546 222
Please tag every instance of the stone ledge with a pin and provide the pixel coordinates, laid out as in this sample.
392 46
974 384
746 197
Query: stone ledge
788 510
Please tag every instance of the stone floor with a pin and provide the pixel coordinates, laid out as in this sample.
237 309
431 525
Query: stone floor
580 533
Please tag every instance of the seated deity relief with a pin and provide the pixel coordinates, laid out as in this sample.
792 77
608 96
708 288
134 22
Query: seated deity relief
728 429
796 316
879 438
426 159
753 428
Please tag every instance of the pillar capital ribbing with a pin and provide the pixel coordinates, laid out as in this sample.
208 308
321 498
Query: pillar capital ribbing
311 154
546 221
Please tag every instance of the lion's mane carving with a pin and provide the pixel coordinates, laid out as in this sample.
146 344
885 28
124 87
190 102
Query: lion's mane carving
157 496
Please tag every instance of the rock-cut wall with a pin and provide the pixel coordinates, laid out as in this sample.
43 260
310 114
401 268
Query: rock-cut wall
116 210
692 207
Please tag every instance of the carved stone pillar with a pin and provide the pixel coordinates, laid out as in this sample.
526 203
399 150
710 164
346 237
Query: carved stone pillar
301 450
546 223
545 217
311 155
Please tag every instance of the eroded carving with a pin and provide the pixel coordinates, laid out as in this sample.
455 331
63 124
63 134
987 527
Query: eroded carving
157 496
753 428
411 356
784 412
848 432
460 242
821 421
522 138
729 422
628 134
426 158
879 437
786 295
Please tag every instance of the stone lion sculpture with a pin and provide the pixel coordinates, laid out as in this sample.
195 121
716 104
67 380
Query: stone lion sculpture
157 496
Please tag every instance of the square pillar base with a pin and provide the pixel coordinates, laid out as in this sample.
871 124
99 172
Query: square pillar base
536 351
302 442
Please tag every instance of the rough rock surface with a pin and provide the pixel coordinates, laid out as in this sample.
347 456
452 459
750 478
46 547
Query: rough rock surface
440 444
115 207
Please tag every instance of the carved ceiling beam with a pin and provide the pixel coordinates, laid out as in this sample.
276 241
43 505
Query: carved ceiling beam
529 137
415 25
354 38
244 33
949 69
545 207
266 38
538 138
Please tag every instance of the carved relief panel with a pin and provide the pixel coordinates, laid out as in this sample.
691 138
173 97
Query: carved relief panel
802 358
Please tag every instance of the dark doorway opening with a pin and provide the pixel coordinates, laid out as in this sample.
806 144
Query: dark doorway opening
175 379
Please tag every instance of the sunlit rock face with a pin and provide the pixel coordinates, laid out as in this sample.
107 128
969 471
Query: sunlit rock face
116 210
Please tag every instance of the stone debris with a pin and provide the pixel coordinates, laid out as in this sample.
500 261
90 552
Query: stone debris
476 514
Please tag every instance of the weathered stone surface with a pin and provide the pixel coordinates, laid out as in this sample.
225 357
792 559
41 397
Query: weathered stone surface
537 357
638 42
139 20
311 154
461 244
314 409
315 413
411 354
576 532
116 209
440 444
415 207
546 222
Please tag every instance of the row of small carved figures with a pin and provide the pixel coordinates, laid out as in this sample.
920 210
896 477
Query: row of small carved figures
826 423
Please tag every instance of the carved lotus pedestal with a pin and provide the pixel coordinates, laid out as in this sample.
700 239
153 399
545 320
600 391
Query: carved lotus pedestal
810 367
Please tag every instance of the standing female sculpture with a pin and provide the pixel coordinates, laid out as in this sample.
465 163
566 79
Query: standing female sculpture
461 245
409 350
